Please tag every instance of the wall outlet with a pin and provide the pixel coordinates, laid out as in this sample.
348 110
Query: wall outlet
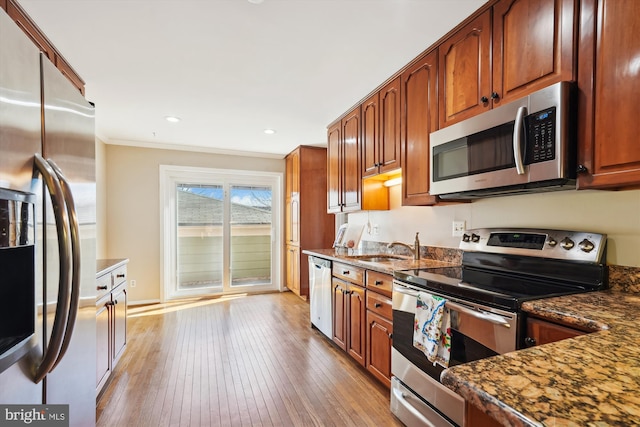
132 283
458 228
376 229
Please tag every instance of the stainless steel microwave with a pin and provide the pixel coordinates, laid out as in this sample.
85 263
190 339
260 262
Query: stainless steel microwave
527 145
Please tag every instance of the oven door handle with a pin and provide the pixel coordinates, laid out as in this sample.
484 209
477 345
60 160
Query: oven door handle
489 317
402 399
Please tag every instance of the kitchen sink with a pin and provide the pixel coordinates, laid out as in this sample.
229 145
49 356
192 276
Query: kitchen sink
379 258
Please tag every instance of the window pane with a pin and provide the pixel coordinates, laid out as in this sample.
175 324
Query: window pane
250 235
199 213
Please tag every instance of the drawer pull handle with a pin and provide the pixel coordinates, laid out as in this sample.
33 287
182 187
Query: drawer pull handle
115 301
377 305
345 271
102 288
378 282
120 276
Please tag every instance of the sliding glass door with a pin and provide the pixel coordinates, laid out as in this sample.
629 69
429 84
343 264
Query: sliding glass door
221 231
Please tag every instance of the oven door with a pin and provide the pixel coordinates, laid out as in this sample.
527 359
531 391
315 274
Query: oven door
477 332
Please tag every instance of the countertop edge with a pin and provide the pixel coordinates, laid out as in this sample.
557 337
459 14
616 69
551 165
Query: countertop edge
103 266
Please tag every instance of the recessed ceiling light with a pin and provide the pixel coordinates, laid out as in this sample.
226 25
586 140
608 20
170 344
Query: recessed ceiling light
269 131
255 1
172 119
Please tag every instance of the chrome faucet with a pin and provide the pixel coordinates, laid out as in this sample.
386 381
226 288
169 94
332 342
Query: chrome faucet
415 249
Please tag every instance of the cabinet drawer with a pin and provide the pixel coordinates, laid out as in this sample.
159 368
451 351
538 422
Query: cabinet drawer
349 273
380 282
119 275
103 285
379 304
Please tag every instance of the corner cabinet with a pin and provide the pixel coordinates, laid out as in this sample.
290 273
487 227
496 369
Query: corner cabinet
419 119
111 317
609 76
529 45
344 188
307 223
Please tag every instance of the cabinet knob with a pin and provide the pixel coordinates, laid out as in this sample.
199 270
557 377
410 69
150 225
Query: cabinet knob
494 95
582 169
390 336
529 342
115 301
484 99
377 305
102 288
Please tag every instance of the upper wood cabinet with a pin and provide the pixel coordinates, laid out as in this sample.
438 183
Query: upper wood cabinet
609 76
419 119
465 71
531 44
381 130
344 192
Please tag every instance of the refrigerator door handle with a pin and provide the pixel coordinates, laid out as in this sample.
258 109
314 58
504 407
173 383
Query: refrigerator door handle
75 260
64 249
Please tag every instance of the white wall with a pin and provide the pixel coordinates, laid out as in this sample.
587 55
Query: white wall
615 213
133 205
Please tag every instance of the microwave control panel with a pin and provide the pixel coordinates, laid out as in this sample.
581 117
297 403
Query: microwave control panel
541 136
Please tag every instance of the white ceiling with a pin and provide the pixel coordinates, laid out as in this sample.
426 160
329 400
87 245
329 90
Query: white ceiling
230 68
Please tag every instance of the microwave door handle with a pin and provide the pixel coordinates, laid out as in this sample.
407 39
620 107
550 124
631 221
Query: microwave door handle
64 248
75 250
517 139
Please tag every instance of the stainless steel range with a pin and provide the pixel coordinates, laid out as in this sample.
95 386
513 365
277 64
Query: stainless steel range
501 268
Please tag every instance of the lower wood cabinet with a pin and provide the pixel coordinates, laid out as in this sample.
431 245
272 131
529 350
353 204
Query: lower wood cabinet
362 317
543 332
111 320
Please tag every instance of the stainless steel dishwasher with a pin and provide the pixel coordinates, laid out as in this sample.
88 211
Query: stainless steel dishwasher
320 292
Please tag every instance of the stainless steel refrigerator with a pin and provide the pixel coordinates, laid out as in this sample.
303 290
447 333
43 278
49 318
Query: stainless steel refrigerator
47 155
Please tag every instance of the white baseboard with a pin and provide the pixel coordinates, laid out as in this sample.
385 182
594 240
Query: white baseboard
143 302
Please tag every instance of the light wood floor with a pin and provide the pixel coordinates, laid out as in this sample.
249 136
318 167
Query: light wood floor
237 361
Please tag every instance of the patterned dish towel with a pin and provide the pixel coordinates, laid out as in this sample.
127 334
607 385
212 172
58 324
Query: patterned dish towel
432 328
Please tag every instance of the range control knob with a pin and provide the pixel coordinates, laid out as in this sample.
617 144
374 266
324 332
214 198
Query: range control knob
475 238
466 237
552 242
567 243
586 245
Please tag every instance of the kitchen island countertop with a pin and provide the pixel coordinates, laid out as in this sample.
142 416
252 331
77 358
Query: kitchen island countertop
590 380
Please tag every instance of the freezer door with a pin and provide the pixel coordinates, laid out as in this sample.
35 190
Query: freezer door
69 142
19 140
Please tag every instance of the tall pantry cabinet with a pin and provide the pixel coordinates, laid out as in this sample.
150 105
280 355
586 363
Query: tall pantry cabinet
307 223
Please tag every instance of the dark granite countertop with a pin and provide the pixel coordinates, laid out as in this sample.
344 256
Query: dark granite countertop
405 263
105 265
590 380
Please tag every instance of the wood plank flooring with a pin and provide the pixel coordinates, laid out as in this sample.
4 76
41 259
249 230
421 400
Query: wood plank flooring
237 361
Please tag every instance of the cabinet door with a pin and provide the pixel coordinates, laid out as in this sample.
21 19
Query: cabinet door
542 332
334 145
351 162
356 323
293 269
389 127
533 46
608 79
292 220
119 308
419 119
293 173
339 305
379 343
103 355
370 136
465 71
